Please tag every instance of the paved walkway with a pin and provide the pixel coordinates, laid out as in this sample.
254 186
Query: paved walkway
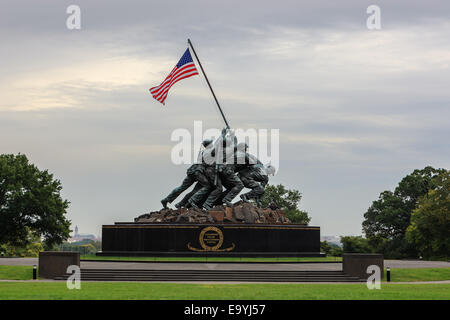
185 266
229 266
406 264
18 261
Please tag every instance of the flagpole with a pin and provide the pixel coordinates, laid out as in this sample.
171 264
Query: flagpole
209 85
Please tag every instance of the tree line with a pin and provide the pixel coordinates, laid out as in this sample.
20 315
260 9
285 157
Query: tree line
413 221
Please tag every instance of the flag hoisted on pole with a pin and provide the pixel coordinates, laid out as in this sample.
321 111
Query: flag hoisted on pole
185 68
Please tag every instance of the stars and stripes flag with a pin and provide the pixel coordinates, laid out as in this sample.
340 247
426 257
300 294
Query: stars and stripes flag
185 68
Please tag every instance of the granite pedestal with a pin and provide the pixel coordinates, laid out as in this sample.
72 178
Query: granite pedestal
355 264
241 240
54 263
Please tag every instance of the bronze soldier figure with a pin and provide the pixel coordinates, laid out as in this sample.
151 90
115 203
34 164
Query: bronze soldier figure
255 177
204 197
195 173
226 171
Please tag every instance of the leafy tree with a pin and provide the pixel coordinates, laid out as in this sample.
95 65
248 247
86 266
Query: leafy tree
325 247
355 244
287 200
97 245
32 249
85 246
336 251
387 218
330 249
416 185
30 202
430 221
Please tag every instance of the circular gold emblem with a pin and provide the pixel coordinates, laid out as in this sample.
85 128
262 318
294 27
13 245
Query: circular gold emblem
211 238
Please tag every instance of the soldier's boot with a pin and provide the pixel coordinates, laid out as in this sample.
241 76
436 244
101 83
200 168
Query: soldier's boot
259 203
193 205
244 198
233 193
256 193
164 203
184 202
212 198
228 203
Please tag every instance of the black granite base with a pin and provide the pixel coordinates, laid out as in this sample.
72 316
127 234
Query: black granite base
232 240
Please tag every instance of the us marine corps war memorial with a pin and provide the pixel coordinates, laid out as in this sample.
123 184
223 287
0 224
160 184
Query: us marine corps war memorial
222 215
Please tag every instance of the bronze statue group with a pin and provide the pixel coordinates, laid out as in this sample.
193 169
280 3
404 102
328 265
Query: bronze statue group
222 170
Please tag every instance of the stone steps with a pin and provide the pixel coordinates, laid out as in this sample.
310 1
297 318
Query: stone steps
212 275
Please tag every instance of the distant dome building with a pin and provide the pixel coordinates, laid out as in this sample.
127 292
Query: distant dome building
80 236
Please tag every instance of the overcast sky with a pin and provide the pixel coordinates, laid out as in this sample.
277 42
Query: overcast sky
357 109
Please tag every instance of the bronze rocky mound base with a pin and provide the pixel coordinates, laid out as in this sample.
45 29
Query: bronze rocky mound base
241 212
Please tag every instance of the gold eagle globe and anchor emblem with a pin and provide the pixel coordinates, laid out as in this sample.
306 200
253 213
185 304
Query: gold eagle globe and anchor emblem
211 239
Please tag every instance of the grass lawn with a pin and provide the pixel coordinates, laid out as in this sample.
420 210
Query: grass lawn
214 259
419 274
172 291
16 272
168 291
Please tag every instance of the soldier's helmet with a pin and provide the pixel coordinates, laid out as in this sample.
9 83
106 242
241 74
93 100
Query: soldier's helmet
207 142
270 169
242 146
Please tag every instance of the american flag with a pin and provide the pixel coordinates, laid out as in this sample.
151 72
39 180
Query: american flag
185 68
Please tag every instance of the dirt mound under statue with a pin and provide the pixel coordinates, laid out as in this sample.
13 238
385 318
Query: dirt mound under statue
240 213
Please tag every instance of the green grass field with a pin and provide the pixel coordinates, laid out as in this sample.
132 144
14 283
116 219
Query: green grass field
167 291
16 273
175 291
419 274
213 259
